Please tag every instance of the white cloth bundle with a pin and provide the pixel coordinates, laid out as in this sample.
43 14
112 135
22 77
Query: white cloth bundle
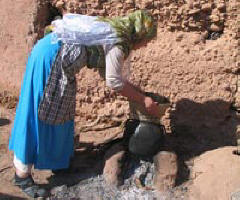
83 29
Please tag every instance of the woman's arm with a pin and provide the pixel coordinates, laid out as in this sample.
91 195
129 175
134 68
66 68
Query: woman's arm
115 81
133 94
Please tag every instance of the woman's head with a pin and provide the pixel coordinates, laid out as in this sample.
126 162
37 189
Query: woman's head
144 27
136 28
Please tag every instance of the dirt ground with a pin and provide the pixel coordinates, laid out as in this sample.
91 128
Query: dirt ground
84 162
213 174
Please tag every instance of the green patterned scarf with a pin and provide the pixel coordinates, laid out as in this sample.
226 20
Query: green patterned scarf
133 28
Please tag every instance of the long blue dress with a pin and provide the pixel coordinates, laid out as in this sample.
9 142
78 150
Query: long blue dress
33 141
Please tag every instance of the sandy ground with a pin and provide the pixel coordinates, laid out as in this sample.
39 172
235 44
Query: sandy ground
214 174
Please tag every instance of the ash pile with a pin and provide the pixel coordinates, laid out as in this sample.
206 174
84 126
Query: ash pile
138 179
137 167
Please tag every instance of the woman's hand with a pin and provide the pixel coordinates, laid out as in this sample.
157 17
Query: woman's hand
146 102
151 107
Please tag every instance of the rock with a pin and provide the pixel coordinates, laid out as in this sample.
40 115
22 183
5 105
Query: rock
60 4
96 99
119 6
95 5
206 7
113 165
147 3
166 12
197 39
180 11
222 16
214 18
171 25
194 11
221 6
190 4
156 12
179 36
184 24
187 50
165 170
221 170
192 24
129 1
174 18
204 35
216 28
82 5
196 5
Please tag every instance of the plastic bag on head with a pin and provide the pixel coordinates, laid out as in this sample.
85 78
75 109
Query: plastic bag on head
83 29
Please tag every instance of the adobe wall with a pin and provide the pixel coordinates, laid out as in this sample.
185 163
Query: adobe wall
14 41
21 24
193 61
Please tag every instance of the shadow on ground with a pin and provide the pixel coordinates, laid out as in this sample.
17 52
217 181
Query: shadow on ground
84 165
196 128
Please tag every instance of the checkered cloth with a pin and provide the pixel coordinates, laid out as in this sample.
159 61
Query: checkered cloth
96 57
58 102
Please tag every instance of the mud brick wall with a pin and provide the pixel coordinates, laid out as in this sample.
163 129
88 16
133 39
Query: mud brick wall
175 15
194 61
15 42
186 63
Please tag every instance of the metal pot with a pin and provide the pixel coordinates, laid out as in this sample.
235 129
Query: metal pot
146 138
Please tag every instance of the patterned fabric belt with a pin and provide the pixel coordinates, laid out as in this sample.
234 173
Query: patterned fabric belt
58 102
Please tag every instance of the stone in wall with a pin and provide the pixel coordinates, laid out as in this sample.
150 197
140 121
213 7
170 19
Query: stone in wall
188 16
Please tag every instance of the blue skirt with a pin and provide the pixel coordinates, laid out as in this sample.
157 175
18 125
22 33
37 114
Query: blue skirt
33 141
